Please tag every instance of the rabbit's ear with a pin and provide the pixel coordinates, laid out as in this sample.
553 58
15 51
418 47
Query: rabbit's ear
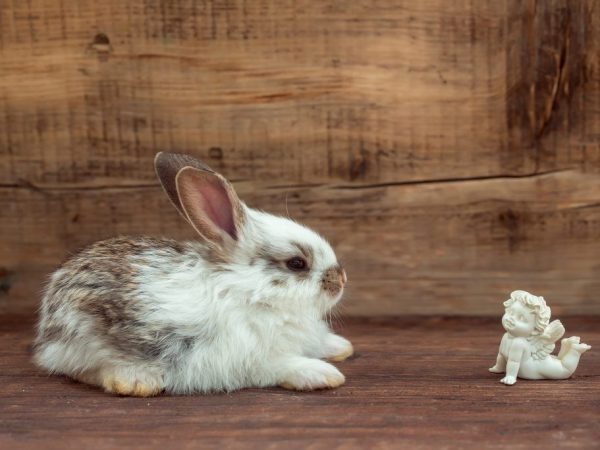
210 204
167 166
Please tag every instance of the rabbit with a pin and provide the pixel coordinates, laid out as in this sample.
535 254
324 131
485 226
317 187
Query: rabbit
243 306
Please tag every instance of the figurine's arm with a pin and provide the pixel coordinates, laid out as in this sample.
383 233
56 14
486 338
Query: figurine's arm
514 361
500 365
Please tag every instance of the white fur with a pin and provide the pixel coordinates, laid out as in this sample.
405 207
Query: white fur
245 331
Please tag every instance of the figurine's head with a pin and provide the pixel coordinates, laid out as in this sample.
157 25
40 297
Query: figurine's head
525 314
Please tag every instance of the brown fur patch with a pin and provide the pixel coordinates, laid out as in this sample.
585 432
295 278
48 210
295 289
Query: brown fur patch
278 282
55 332
333 280
304 250
100 283
167 165
278 263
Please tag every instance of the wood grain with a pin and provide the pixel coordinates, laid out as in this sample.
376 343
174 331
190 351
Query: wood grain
449 149
415 383
448 246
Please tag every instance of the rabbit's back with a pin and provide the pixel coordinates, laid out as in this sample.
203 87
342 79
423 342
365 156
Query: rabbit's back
94 308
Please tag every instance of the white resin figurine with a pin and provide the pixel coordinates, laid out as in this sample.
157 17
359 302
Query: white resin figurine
526 347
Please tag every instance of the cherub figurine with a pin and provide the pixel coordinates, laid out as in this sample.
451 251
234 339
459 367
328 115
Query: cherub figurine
529 339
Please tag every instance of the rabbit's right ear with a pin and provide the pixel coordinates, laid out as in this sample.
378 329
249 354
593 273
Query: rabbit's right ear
167 166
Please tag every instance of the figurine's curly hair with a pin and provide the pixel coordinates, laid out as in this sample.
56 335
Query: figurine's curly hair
535 303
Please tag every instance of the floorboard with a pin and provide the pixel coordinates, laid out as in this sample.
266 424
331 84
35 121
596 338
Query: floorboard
413 383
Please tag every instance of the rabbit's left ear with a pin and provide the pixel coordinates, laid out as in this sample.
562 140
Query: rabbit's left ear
210 205
167 166
204 197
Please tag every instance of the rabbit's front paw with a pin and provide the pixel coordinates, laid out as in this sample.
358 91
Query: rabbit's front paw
312 374
337 348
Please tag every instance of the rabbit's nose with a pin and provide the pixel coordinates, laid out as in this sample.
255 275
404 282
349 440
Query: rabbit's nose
334 279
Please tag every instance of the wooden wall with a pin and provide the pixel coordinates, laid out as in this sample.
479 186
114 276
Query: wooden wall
450 150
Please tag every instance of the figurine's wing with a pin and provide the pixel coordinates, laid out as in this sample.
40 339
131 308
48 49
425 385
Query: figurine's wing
543 344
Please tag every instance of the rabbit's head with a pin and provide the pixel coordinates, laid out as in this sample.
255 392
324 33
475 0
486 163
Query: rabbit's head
282 264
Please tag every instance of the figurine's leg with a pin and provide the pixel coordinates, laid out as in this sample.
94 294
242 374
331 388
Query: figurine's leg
570 359
565 346
564 365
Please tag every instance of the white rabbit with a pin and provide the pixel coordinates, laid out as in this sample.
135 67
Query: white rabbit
243 306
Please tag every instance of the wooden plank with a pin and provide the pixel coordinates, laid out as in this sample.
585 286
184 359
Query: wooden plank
393 128
415 383
457 247
277 89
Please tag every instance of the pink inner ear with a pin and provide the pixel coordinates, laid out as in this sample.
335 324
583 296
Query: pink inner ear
217 206
205 200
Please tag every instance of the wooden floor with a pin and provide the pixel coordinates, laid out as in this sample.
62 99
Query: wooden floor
414 383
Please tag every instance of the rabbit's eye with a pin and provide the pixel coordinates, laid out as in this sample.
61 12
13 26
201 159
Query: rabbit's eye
296 264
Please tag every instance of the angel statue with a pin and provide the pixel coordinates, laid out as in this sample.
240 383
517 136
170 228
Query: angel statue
526 347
